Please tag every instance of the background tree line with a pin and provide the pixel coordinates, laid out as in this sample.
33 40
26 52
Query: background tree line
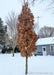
46 32
8 34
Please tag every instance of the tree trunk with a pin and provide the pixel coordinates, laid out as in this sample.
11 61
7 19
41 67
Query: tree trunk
13 52
26 64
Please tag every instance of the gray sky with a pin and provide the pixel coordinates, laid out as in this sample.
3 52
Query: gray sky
39 9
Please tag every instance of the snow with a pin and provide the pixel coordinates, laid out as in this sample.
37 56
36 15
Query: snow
45 41
37 65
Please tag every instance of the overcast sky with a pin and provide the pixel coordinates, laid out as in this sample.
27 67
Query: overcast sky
38 9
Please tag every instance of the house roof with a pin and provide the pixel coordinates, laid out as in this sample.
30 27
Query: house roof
45 41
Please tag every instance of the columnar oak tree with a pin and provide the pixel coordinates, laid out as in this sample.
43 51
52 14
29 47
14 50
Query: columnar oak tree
26 35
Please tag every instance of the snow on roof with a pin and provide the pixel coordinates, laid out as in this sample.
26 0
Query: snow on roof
45 41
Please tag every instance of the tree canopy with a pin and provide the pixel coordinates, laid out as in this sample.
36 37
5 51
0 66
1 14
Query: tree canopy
2 33
26 35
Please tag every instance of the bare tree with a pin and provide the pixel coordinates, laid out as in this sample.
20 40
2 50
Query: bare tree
46 32
8 41
50 4
11 21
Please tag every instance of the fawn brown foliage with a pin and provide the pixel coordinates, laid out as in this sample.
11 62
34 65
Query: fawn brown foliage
26 35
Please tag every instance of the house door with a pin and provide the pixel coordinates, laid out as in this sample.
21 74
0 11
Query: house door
44 51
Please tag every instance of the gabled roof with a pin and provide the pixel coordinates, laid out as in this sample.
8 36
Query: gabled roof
45 41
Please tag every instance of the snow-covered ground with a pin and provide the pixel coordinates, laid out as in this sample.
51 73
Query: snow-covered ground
37 65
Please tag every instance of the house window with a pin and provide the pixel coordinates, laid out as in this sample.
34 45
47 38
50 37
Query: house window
52 48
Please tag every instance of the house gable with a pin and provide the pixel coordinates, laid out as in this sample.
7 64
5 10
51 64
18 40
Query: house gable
47 43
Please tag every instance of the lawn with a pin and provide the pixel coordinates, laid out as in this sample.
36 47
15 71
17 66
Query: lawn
37 65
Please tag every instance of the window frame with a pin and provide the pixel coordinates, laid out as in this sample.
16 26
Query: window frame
50 48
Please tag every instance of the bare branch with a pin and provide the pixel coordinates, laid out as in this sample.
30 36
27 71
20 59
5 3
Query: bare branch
11 21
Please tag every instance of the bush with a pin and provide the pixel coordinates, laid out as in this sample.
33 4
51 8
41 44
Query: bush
9 50
16 49
4 49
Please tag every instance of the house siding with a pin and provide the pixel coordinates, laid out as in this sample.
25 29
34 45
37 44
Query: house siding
51 53
48 49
